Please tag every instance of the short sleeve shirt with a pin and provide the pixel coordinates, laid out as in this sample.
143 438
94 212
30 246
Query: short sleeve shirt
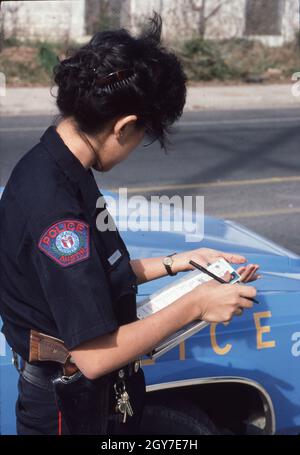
60 275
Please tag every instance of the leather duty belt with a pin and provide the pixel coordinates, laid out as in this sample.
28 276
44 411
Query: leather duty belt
42 375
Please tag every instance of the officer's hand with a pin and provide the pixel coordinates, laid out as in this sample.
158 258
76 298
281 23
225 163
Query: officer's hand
249 273
216 302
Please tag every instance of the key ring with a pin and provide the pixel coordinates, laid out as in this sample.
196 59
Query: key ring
117 384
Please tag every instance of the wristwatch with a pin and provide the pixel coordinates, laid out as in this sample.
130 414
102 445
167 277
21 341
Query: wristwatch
167 262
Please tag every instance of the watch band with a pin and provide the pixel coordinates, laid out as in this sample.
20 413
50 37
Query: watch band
168 266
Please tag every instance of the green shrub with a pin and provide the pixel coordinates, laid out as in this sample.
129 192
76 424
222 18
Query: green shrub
237 59
203 61
9 42
47 57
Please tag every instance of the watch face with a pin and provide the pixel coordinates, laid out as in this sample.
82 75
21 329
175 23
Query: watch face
168 261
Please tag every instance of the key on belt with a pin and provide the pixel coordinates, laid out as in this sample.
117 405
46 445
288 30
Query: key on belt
123 400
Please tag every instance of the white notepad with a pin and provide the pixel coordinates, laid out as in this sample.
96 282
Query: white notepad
168 294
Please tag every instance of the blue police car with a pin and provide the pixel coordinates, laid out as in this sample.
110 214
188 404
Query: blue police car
237 378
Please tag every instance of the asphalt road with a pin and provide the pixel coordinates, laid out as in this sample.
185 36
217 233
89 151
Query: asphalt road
245 163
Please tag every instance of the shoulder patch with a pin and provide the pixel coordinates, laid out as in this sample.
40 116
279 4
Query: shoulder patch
66 242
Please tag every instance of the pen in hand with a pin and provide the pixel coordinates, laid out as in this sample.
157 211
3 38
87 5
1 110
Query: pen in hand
212 275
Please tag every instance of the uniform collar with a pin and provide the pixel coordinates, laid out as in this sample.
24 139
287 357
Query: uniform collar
63 156
72 167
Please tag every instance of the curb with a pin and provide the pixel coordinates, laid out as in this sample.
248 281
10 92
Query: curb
39 101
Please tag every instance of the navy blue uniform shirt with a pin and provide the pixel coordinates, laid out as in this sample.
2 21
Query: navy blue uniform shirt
59 274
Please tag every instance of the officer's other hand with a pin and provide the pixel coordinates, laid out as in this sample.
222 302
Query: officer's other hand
216 302
249 273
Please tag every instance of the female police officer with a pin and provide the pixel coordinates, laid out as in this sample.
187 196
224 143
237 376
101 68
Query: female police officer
60 275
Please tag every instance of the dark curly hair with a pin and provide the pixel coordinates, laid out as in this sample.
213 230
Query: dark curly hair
155 92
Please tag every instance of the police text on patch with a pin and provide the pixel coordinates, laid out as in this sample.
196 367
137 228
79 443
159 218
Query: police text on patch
66 242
